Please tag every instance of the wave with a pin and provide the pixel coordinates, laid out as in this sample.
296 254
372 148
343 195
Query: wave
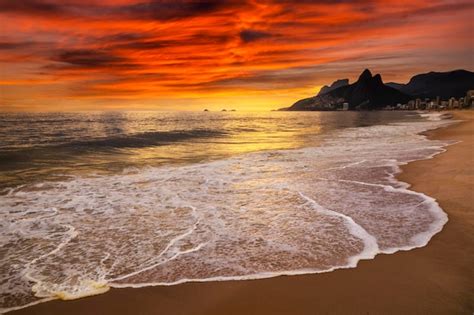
146 139
251 216
139 140
11 156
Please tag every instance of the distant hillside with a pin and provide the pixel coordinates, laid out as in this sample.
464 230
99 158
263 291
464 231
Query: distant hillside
369 92
336 84
444 84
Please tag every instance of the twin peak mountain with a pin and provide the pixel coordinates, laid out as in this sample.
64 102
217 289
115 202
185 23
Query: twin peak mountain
369 92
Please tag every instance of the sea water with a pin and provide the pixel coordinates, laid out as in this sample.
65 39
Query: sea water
95 200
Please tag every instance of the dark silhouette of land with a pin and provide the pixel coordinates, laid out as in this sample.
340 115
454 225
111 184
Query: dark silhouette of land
370 93
438 84
336 84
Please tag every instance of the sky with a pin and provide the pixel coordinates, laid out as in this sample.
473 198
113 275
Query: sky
67 55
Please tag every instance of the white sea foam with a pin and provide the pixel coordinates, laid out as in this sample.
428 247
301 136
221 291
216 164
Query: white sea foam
435 116
252 216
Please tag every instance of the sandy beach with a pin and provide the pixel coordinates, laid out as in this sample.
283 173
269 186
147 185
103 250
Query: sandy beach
436 279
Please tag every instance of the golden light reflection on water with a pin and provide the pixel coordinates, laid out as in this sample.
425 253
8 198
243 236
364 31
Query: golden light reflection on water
50 146
239 138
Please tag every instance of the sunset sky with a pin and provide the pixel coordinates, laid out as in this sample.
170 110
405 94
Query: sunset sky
191 55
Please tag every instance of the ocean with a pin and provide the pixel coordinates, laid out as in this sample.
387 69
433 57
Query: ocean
93 200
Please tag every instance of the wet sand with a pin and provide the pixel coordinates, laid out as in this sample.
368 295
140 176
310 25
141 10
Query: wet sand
436 279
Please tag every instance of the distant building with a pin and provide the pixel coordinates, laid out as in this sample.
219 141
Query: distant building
418 103
345 106
469 99
451 103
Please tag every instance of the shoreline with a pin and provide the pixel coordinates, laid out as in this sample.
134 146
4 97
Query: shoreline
435 279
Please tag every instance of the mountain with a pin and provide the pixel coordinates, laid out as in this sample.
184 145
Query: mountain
444 84
368 92
336 84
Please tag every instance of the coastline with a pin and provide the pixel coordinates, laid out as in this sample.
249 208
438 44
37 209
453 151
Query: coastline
435 279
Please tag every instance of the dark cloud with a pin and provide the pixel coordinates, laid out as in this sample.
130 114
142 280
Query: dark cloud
248 36
144 45
145 10
167 10
149 43
178 9
445 8
30 7
15 45
122 37
203 38
89 58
